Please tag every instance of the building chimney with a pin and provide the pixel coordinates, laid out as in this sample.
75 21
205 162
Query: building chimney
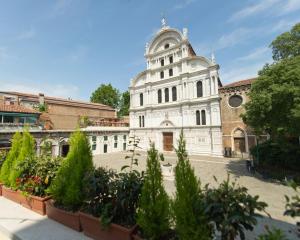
41 98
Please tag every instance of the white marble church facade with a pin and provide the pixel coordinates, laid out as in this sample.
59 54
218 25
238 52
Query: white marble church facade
178 90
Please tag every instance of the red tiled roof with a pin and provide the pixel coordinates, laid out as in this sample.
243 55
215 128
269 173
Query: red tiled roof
17 109
240 83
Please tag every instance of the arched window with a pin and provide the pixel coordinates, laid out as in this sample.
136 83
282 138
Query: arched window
143 121
159 96
203 117
162 62
141 99
140 121
170 72
171 59
166 94
197 117
162 75
167 45
174 94
199 89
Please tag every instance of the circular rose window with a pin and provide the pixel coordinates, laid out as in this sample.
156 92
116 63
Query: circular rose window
235 101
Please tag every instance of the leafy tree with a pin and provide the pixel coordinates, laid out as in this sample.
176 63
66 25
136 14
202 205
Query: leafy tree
287 45
11 157
232 209
191 222
24 159
154 212
275 99
67 187
106 94
124 104
275 96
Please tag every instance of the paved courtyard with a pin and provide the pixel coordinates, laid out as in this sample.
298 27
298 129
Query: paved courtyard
206 167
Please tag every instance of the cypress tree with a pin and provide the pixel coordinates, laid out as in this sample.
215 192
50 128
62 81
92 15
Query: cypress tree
11 157
188 209
67 188
154 212
27 153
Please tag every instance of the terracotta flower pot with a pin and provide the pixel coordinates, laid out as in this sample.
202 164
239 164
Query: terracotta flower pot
12 195
92 228
66 218
37 204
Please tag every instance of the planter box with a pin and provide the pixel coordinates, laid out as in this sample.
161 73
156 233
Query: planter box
12 195
92 228
34 203
167 171
66 218
1 185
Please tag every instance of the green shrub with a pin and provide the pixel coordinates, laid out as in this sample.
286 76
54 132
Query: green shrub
153 215
274 234
67 187
10 158
232 209
24 159
191 222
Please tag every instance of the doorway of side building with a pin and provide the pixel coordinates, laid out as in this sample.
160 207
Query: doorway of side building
239 142
65 149
168 141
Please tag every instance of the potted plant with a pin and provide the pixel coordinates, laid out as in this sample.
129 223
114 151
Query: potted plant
2 159
6 167
68 185
153 215
232 209
188 207
113 215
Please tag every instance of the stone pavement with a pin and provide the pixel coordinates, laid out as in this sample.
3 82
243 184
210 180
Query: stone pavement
19 223
208 167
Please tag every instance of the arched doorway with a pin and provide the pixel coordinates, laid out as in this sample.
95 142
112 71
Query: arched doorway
239 141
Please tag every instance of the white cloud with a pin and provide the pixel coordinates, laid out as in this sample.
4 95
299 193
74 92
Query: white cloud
183 4
268 7
79 53
56 90
284 25
61 6
231 39
256 54
30 33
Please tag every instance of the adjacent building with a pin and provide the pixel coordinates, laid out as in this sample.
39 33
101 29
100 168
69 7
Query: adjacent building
178 90
237 136
58 113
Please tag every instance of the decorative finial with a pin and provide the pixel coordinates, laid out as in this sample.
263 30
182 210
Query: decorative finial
185 33
213 59
146 46
163 22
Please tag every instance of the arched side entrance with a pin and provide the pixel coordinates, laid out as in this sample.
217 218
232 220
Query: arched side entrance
167 135
239 141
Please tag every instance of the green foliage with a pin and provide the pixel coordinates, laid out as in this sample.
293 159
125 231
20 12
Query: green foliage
124 104
287 45
67 187
281 155
11 158
106 94
24 159
188 208
98 190
153 215
275 96
274 234
232 209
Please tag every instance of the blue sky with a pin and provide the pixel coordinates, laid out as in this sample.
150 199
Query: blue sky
67 48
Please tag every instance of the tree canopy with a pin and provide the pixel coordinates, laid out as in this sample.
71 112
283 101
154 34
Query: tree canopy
287 45
106 94
124 104
275 95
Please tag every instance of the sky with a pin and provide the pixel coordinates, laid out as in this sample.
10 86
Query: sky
67 48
